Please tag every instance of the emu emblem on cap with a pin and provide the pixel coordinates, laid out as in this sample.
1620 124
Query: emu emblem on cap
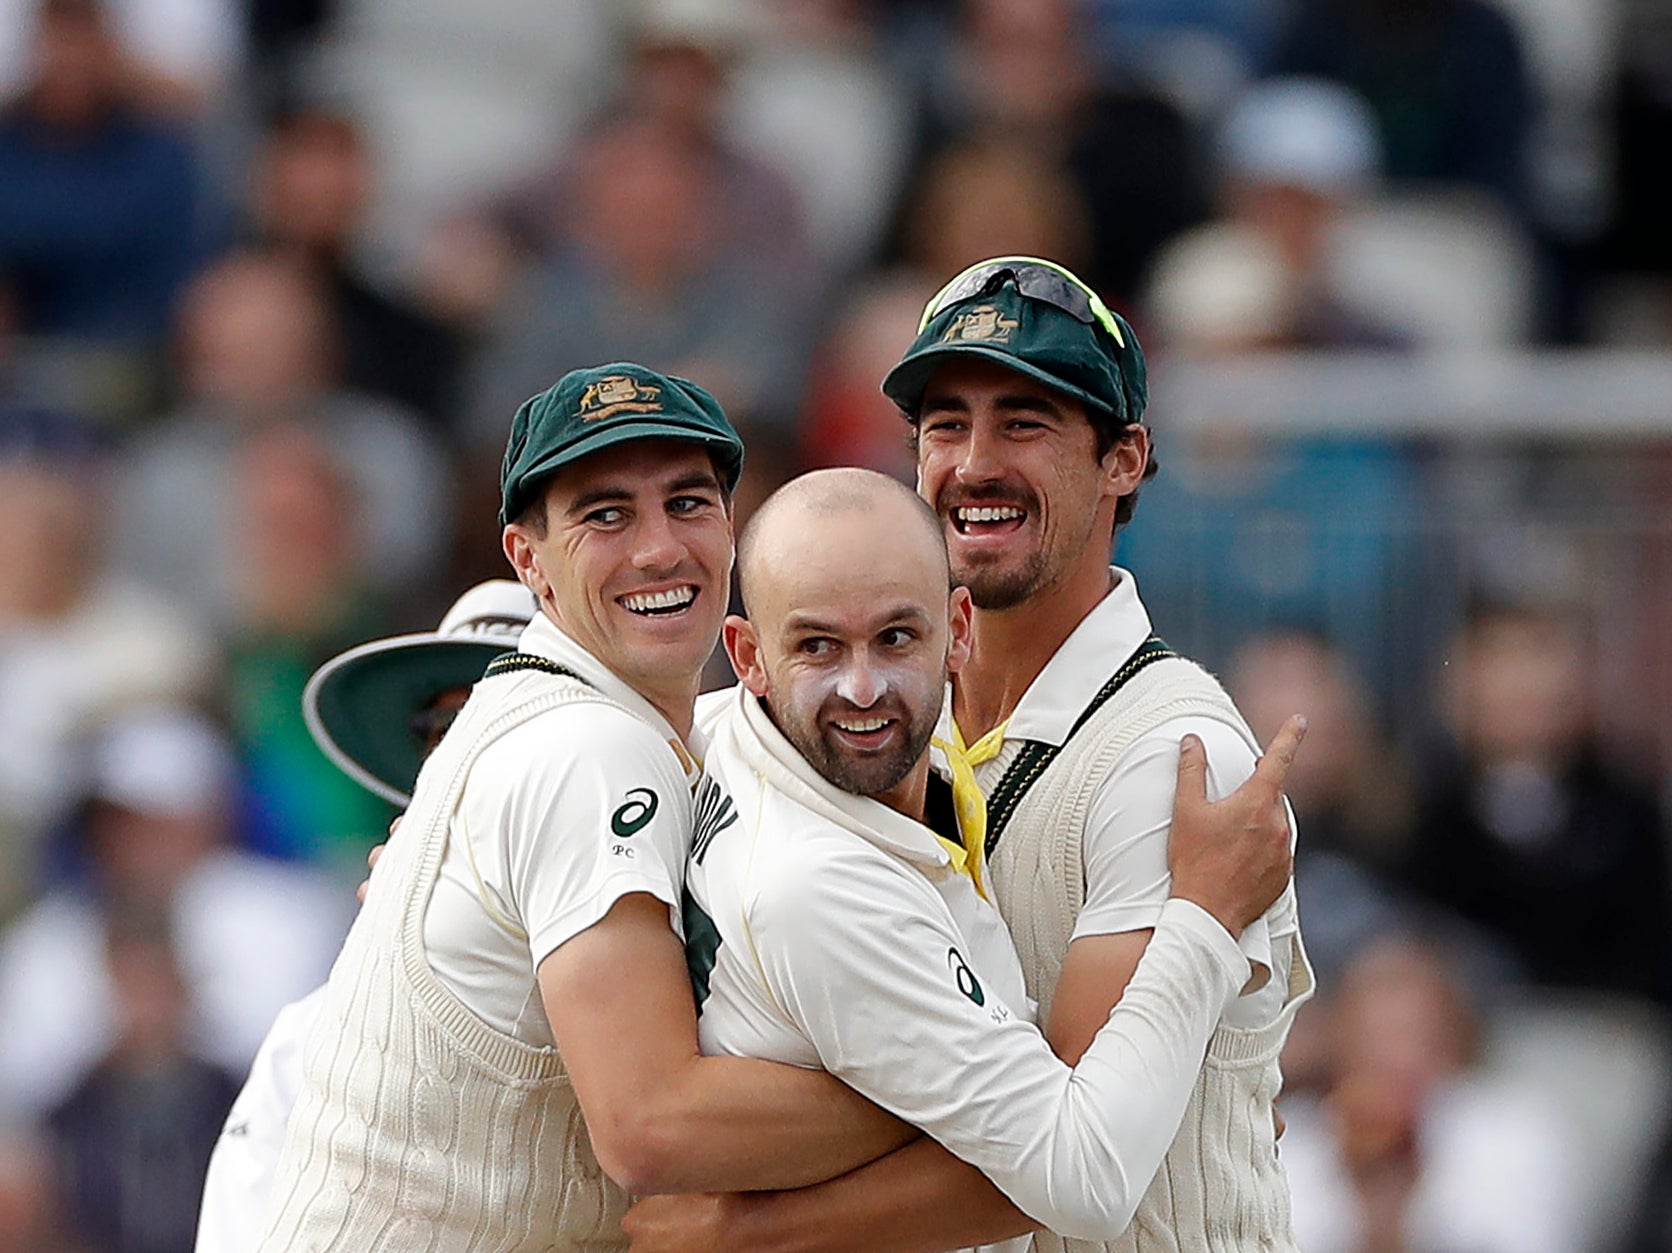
618 393
981 322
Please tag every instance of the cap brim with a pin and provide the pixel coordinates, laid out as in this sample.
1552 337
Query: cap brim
625 432
359 705
906 382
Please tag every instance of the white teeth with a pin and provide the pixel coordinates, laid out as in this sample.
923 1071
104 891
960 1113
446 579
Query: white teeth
988 513
864 725
653 602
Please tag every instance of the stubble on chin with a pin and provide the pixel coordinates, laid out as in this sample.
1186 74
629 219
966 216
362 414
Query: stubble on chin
995 589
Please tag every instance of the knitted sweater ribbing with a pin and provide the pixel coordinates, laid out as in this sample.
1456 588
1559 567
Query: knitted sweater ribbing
420 1127
1221 1189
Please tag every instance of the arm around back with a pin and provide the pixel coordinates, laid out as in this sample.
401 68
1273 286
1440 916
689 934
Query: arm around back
864 957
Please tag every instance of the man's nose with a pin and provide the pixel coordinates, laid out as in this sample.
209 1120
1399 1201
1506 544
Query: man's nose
656 546
980 462
860 686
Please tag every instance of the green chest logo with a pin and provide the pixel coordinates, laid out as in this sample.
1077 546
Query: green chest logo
639 808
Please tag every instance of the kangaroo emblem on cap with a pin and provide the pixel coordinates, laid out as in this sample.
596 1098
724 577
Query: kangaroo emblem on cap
618 393
981 322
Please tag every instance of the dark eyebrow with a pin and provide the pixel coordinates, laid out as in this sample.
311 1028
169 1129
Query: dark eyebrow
1024 403
615 494
697 480
952 402
1017 402
608 495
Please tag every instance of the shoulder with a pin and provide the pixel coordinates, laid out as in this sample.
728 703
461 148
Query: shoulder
813 877
585 728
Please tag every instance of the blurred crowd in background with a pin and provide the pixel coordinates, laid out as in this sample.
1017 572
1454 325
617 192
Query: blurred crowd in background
275 274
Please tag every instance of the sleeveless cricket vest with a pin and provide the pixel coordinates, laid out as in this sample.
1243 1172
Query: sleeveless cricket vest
1220 1189
419 1126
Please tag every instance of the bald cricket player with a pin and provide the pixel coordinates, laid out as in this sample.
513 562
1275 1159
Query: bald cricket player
837 914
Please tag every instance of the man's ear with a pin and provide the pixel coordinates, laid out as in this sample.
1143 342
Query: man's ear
744 651
1124 464
958 629
525 561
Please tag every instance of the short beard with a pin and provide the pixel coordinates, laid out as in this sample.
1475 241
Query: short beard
860 776
865 776
1004 589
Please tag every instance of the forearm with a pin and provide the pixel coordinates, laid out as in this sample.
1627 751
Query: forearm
733 1124
920 1199
1077 1151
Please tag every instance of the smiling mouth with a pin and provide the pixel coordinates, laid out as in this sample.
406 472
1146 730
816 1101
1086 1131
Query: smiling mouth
659 604
981 517
863 726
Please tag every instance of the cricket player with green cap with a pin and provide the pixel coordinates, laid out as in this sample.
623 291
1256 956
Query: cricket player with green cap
1026 396
518 960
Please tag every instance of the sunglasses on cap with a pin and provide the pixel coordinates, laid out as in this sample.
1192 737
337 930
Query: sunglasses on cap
1035 278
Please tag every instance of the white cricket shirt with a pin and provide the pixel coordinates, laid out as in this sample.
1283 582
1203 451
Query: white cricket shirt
1124 845
560 818
828 930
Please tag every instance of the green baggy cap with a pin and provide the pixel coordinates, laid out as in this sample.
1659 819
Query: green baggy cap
588 410
1032 337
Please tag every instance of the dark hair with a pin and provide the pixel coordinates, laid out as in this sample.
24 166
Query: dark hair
532 516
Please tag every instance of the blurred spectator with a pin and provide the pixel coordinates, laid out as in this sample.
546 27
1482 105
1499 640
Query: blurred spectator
1351 794
1326 527
1527 828
976 198
252 933
817 98
1416 1146
311 185
1295 157
460 101
649 269
177 55
31 1217
677 76
133 1139
257 350
59 674
1018 69
1447 80
1196 50
297 601
99 226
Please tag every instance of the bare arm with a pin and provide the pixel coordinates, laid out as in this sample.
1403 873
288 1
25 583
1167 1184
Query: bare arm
920 1199
662 1117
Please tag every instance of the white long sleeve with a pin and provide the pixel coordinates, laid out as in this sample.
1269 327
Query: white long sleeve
868 967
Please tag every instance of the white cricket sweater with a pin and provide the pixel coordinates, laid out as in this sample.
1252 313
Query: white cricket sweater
419 1126
1220 1188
